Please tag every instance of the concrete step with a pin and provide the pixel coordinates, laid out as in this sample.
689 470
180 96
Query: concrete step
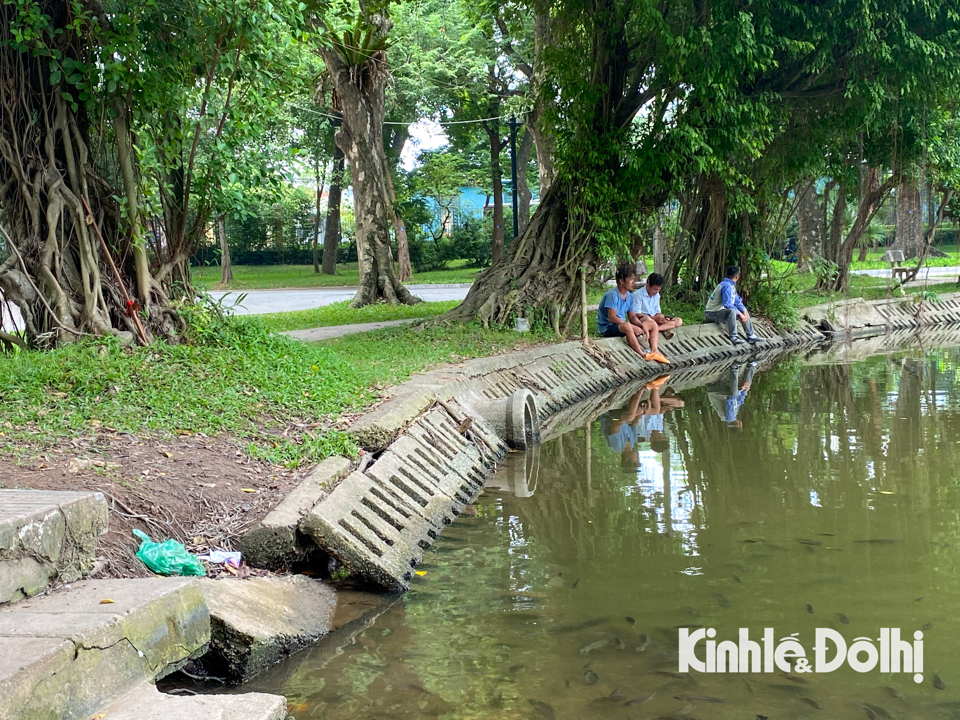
145 702
46 537
65 655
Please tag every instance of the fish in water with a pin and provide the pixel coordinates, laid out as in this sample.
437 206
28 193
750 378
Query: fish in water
738 579
919 598
876 710
590 677
671 674
826 534
805 541
748 684
754 540
586 649
516 668
543 709
632 621
927 626
692 611
579 626
938 683
796 678
639 700
577 582
893 692
618 693
644 641
844 619
810 609
811 550
810 701
722 600
568 684
617 643
880 541
699 698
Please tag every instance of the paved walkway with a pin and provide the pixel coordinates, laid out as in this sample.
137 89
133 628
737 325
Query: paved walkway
335 331
258 302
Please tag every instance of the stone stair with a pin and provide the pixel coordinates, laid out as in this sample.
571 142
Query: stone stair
94 648
47 537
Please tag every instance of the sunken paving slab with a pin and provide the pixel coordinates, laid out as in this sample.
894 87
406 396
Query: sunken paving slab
145 702
47 537
65 655
257 622
379 523
276 542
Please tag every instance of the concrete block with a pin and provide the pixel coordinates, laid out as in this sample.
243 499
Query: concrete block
65 655
256 623
47 537
275 542
145 702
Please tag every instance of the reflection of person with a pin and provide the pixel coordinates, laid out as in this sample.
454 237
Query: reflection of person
646 310
725 307
612 315
641 420
728 395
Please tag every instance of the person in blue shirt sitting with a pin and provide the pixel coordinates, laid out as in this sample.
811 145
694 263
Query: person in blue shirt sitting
725 307
613 314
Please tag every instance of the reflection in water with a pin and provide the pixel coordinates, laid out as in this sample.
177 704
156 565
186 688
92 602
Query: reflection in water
567 586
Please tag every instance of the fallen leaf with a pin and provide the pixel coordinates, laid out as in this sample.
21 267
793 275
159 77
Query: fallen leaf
248 490
421 573
106 601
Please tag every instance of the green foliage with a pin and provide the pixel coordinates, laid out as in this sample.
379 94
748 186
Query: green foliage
340 313
238 379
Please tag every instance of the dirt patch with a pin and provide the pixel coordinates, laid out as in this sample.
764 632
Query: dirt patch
204 492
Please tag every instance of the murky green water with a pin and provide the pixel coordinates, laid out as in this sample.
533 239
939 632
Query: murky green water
750 509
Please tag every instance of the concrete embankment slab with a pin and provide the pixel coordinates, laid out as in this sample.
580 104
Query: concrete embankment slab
46 537
256 623
64 656
147 703
276 542
379 523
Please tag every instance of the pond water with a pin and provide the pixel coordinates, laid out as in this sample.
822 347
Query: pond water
796 496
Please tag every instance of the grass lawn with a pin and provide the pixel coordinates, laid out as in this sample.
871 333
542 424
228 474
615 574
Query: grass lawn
339 313
283 400
268 277
873 261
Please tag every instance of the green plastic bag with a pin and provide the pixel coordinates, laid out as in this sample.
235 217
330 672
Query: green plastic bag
168 557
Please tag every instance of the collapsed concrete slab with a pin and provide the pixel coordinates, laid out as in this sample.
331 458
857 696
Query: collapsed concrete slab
147 703
47 537
64 656
257 622
276 542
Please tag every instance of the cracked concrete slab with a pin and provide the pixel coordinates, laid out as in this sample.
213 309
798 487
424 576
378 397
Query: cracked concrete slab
145 702
46 536
256 623
67 654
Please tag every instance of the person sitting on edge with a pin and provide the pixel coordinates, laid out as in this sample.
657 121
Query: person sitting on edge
646 306
615 307
725 306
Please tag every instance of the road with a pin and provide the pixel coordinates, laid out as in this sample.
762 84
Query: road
258 302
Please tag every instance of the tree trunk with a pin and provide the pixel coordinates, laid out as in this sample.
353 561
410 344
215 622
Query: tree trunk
539 269
360 89
536 119
909 237
58 272
873 196
524 196
809 225
404 268
321 178
496 175
226 267
331 228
